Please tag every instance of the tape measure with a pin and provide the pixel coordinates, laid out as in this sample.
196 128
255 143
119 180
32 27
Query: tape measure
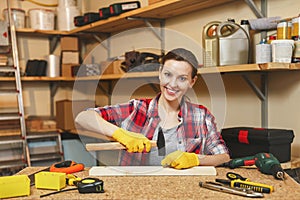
90 185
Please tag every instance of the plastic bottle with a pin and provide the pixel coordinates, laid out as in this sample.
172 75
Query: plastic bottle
246 26
234 44
210 43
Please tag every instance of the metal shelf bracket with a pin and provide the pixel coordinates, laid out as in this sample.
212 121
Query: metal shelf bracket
262 94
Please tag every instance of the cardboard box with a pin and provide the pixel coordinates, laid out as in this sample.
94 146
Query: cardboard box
69 43
247 141
67 110
111 67
67 70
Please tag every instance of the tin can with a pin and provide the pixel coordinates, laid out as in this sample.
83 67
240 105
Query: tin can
296 52
295 27
284 30
263 53
282 51
18 17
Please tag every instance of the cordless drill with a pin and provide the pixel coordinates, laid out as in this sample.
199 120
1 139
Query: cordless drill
266 163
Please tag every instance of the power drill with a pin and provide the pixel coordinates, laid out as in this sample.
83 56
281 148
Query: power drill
266 163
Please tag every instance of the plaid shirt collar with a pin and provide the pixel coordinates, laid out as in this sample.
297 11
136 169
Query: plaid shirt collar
153 108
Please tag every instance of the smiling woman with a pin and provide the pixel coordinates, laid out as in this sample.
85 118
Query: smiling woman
185 132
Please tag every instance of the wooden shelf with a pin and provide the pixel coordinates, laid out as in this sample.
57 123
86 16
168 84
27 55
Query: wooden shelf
161 10
209 70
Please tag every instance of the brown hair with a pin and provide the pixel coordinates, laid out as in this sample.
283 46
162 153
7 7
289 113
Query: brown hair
181 54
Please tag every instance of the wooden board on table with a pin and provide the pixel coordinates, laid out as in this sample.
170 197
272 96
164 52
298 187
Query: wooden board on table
150 171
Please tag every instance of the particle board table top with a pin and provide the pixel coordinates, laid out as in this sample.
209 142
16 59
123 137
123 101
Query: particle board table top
168 187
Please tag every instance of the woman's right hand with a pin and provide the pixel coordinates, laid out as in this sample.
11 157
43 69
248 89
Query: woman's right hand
134 142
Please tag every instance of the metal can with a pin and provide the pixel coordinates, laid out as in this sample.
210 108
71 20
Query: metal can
284 30
295 27
263 53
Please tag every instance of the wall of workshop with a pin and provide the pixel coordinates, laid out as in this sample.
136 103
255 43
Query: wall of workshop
238 106
233 102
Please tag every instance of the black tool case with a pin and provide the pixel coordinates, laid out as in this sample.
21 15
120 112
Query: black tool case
79 21
248 141
119 8
90 17
104 13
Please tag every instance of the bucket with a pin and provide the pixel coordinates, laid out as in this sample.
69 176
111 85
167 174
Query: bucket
233 44
53 69
210 44
41 19
66 3
65 18
282 51
263 53
18 16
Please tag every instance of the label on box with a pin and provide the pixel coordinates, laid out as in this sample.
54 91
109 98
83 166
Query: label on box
130 6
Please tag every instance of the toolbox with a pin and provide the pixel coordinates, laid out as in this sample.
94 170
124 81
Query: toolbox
248 141
104 13
90 17
79 21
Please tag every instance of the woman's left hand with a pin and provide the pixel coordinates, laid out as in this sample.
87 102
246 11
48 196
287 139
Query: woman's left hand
181 160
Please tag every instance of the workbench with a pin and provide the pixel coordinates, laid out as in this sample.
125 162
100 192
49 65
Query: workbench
169 187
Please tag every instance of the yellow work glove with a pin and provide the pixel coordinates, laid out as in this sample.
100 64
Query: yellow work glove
181 160
134 142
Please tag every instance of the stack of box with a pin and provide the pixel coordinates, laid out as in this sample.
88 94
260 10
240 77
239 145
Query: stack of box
69 55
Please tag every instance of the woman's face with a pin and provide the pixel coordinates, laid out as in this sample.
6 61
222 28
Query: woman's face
175 79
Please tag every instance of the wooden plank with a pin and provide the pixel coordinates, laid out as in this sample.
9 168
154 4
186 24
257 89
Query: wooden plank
150 171
109 146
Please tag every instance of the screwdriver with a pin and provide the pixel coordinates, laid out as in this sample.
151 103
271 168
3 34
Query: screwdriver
257 187
233 176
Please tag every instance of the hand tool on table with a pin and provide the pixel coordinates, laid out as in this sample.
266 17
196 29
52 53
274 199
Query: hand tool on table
266 163
236 180
86 185
67 167
237 191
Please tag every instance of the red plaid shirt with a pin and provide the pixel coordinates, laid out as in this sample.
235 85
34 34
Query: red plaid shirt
197 130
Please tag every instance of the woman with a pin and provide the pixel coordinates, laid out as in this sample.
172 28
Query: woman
186 133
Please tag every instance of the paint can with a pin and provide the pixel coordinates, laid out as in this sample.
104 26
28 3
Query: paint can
295 27
282 51
296 53
42 19
66 3
284 30
263 53
18 16
65 18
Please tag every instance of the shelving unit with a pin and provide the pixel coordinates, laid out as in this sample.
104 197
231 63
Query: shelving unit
157 12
